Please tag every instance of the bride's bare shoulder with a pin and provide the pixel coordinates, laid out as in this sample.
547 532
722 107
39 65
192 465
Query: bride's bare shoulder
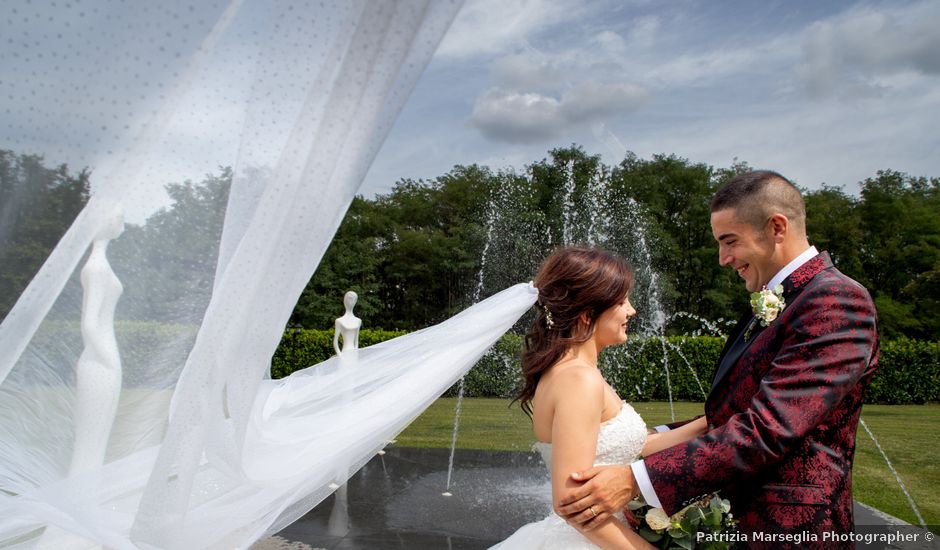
573 376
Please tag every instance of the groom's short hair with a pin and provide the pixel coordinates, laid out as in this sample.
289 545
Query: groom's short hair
758 195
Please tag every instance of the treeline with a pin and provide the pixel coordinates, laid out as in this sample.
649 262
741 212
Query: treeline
426 249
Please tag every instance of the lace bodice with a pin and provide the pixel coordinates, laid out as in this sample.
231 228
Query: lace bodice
619 441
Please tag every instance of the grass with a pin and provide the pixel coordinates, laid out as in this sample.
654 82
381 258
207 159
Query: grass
907 433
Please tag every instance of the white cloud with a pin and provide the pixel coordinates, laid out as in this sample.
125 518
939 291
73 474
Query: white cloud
714 65
611 42
531 117
517 117
526 72
854 50
592 101
722 89
644 32
488 27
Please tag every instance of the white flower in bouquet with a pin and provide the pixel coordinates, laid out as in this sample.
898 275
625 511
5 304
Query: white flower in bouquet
657 519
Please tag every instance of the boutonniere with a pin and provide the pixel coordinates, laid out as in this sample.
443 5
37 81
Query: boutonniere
766 305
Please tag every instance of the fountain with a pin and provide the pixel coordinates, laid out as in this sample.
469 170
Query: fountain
588 212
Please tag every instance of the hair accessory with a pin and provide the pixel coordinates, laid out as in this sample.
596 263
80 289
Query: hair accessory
548 317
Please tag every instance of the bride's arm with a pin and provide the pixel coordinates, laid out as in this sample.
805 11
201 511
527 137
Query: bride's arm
658 441
575 426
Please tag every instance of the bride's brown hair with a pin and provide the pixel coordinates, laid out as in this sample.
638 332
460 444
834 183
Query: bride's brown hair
574 280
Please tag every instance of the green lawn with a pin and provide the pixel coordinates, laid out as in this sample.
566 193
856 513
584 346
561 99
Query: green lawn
907 433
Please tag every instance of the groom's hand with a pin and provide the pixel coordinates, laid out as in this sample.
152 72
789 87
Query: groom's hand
605 490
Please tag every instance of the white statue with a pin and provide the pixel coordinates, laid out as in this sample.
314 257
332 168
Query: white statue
348 326
98 371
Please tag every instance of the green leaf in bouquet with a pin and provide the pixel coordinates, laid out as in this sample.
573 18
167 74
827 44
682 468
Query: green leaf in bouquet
650 535
696 514
688 523
635 505
678 533
713 518
686 543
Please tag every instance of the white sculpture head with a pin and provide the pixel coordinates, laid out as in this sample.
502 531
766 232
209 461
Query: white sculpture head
349 300
112 222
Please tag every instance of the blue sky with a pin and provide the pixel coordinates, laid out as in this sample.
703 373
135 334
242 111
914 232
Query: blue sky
820 91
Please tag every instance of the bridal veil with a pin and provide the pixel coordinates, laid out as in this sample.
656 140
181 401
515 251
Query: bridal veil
173 314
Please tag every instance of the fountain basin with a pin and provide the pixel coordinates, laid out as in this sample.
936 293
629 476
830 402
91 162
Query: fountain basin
395 502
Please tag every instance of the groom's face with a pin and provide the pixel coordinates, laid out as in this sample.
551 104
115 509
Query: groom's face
744 248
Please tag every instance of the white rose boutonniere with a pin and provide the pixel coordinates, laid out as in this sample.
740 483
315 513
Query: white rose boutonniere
767 304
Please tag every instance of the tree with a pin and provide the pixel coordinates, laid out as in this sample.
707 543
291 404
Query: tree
412 255
350 263
900 249
177 274
676 194
37 206
833 223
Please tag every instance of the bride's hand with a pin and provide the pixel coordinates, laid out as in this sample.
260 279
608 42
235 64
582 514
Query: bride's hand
605 490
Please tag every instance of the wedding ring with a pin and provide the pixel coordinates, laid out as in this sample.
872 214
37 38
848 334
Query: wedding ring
593 511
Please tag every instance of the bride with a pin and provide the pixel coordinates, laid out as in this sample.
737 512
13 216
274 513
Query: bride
583 307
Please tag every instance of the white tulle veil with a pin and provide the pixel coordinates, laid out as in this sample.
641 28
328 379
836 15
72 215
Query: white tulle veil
205 450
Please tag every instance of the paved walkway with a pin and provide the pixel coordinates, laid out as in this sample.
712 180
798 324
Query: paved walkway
396 502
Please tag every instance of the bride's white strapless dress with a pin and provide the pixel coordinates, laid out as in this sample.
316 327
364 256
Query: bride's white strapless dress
619 441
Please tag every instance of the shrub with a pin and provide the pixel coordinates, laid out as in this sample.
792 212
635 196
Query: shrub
301 348
909 370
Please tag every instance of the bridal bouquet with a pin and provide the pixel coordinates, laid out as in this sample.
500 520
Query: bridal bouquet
710 516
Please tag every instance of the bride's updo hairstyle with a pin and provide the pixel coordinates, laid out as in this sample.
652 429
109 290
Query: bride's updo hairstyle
574 280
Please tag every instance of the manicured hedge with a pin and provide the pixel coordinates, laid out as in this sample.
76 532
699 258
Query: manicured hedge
909 370
301 348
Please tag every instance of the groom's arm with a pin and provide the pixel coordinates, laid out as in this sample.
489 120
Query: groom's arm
610 488
674 425
825 352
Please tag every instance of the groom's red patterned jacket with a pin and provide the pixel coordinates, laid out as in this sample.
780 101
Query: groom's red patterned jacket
783 413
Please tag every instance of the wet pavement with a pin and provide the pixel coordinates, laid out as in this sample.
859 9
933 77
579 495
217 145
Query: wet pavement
395 502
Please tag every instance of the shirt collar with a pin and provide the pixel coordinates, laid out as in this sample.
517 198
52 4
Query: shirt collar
806 256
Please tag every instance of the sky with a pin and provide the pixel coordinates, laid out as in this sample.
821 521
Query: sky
822 92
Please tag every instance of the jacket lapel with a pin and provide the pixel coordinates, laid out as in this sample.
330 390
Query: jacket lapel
735 346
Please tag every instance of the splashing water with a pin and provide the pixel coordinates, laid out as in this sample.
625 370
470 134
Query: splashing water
910 499
453 439
491 217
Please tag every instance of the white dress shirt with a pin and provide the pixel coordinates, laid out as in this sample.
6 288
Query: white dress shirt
639 467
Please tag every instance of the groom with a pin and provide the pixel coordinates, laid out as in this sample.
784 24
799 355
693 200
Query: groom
784 406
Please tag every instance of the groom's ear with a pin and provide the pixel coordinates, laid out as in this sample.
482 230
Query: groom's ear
779 226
